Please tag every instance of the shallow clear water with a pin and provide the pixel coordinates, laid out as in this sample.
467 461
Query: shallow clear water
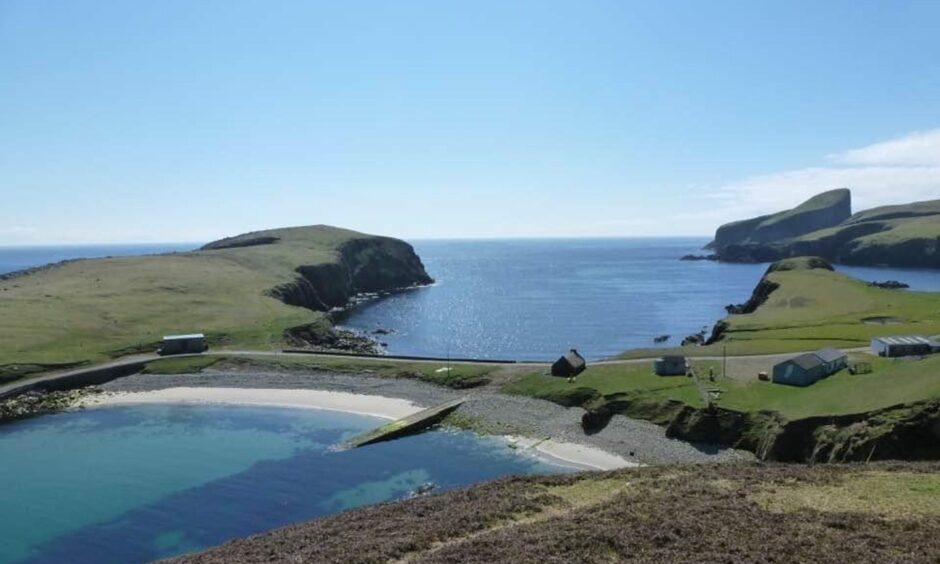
132 484
534 299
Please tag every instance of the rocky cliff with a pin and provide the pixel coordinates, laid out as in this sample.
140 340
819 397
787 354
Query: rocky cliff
331 265
819 212
903 235
368 265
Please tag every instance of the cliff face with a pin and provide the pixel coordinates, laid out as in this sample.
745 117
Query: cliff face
371 264
819 212
903 235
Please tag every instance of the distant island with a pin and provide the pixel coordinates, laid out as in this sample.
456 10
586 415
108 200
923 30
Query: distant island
905 235
261 290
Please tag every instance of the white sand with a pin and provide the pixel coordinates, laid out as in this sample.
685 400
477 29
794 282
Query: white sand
375 406
573 454
565 453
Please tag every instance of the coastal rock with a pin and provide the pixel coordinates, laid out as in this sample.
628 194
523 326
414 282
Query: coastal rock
699 257
694 339
365 265
314 338
760 295
890 285
31 404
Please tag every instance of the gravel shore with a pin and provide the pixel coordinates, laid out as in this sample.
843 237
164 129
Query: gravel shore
634 440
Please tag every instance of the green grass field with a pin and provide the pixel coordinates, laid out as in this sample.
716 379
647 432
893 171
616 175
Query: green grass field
817 308
892 382
459 375
95 309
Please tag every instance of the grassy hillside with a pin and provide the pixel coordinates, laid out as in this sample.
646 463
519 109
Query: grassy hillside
901 235
819 212
726 513
90 310
813 308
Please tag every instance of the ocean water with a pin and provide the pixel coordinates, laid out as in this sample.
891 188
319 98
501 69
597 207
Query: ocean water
133 484
19 258
535 299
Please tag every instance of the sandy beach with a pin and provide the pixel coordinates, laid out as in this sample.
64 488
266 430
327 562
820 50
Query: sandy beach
360 404
579 456
544 428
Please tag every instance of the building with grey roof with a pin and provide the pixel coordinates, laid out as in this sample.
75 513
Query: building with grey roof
808 368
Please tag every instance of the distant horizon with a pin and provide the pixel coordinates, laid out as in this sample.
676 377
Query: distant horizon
409 240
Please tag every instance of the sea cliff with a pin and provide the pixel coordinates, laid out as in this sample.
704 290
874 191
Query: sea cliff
902 235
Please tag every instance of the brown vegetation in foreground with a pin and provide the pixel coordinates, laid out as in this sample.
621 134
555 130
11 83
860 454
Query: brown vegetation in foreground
722 513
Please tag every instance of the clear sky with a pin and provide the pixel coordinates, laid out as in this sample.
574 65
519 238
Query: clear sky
186 121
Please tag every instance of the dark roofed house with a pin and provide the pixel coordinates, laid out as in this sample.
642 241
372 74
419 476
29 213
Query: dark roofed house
571 364
671 365
806 369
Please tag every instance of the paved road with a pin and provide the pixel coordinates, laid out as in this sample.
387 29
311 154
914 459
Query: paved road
23 385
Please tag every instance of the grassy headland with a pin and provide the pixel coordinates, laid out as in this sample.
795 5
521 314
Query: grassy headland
900 235
245 291
801 304
814 307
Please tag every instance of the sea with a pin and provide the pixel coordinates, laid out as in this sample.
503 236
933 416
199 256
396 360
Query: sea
533 299
137 483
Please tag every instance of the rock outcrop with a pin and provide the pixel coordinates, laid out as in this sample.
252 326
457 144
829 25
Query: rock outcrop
366 265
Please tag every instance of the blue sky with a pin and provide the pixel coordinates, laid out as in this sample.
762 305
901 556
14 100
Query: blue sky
186 121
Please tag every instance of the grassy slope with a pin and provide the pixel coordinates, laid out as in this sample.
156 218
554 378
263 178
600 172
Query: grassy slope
817 308
461 375
919 220
725 513
91 309
817 202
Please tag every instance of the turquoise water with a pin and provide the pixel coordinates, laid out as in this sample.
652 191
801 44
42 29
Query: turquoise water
133 484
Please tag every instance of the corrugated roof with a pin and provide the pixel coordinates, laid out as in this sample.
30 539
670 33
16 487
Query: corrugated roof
181 337
829 355
904 340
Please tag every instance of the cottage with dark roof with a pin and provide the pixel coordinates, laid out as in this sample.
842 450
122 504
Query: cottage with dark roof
808 368
571 364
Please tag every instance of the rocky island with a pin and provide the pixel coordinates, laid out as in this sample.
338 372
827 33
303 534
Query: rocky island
824 226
